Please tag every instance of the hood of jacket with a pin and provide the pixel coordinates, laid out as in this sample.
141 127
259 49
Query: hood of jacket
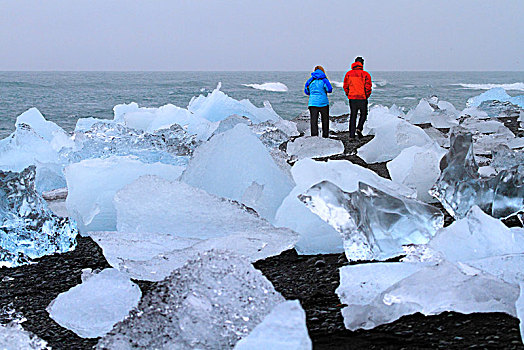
318 74
357 65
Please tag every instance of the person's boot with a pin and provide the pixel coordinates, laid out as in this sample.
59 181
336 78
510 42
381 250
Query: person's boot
359 134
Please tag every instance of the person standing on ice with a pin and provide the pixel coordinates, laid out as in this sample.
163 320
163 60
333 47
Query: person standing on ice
357 86
317 87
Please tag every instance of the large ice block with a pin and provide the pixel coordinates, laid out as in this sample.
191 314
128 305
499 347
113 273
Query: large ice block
440 114
391 137
372 223
28 229
432 290
162 224
49 131
236 165
14 337
417 168
520 310
317 236
91 308
314 147
495 94
210 303
92 183
283 329
217 106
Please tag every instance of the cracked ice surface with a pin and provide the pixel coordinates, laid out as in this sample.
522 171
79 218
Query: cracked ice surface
28 228
161 225
372 223
459 187
14 337
283 329
316 235
210 303
91 308
314 147
92 183
236 165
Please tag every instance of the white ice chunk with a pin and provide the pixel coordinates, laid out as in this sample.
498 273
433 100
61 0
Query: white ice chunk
14 337
92 183
417 168
390 139
230 163
378 116
217 106
47 130
84 124
91 308
440 114
314 147
283 329
520 310
506 267
317 236
338 108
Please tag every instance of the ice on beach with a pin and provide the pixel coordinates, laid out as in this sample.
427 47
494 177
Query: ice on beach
417 168
317 236
210 303
277 87
14 337
440 114
283 329
519 305
338 108
314 147
495 94
161 225
92 183
391 137
28 229
236 165
502 157
438 136
217 106
49 131
432 290
372 223
91 308
460 187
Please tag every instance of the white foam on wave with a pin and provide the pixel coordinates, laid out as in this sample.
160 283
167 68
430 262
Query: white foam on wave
374 84
408 98
278 87
512 86
338 84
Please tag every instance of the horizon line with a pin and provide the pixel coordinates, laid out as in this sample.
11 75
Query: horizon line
243 71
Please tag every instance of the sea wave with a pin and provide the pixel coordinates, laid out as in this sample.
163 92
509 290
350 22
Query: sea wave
375 84
278 87
338 83
511 86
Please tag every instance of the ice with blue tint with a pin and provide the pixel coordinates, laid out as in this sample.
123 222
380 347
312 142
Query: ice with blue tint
373 223
14 337
440 114
520 310
217 106
495 94
29 229
314 147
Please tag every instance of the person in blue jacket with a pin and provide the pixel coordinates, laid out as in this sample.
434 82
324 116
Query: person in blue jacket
317 87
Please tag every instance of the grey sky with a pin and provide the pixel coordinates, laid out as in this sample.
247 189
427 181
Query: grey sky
261 35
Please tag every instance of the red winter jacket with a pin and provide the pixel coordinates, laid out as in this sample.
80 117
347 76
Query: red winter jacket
357 83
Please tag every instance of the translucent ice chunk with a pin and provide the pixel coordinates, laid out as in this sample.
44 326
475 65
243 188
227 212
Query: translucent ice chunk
432 290
417 168
28 229
495 94
520 310
228 165
314 147
373 224
317 236
209 303
14 337
92 183
338 108
502 157
91 308
49 131
440 114
283 329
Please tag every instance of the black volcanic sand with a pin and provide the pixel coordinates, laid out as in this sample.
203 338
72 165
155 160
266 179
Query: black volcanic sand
312 279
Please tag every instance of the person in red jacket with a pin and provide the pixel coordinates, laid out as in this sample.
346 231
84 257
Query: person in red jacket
357 86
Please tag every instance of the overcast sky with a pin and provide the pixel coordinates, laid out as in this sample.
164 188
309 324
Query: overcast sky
261 35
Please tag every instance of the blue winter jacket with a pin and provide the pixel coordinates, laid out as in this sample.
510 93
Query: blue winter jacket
317 87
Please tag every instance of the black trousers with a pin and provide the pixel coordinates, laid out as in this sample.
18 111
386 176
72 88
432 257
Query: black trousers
324 114
354 107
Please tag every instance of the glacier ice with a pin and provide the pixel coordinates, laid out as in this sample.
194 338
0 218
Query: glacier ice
372 223
438 136
314 147
459 186
210 303
14 337
339 108
495 94
283 329
91 308
391 137
217 106
161 224
520 310
92 183
440 114
502 157
235 162
417 168
317 236
29 229
432 290
47 130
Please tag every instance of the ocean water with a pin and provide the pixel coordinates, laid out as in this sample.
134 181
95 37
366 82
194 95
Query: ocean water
63 97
